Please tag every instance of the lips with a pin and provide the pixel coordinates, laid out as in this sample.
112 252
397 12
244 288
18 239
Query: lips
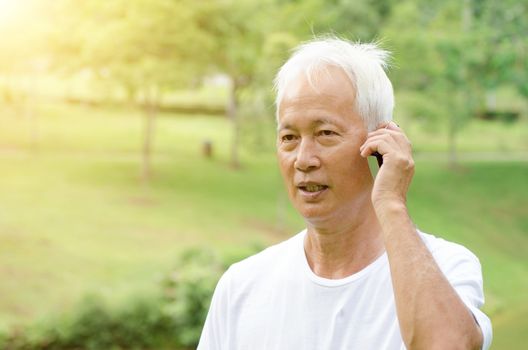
311 191
311 187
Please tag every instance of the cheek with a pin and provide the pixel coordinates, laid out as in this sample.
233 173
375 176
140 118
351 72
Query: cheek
349 167
285 159
356 137
351 149
285 166
345 156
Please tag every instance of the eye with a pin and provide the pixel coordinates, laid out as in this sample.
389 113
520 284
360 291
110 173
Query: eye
288 138
326 133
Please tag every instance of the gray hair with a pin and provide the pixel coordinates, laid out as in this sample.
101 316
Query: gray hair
364 65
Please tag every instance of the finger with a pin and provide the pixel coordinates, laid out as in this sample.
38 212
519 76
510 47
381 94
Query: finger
380 145
389 138
398 135
384 132
387 125
383 136
392 126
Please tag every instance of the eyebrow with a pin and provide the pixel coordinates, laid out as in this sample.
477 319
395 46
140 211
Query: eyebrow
317 122
325 121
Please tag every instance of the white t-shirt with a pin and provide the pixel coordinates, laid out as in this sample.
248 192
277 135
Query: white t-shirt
273 301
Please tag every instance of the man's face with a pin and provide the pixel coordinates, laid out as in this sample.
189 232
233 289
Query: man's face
318 144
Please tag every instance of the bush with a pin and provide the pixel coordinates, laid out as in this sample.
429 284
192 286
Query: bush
173 318
140 325
188 292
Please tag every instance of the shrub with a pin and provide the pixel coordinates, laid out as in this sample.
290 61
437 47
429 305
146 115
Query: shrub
172 318
188 292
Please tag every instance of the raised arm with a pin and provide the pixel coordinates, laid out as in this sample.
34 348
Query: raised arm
430 312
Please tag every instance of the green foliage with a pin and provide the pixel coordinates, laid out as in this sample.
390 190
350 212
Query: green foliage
454 55
172 318
188 291
139 325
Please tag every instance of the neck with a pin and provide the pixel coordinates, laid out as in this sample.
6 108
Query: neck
341 247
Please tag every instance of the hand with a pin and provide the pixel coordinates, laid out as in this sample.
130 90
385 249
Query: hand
395 176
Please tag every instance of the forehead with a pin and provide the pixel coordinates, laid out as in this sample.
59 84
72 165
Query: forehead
327 80
328 92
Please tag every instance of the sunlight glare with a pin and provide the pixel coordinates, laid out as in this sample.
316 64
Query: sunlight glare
9 10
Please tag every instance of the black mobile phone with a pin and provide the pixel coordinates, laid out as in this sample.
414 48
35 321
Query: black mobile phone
374 165
379 158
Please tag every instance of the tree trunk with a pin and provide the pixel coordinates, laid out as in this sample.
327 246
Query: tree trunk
149 114
232 111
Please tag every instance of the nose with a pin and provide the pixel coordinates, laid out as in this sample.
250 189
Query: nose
307 158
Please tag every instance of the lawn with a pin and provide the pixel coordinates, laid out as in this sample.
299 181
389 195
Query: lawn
74 218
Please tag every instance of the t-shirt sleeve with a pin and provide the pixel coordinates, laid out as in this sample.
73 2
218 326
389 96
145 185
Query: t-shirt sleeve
462 269
214 332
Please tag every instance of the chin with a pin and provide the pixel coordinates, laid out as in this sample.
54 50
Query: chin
313 213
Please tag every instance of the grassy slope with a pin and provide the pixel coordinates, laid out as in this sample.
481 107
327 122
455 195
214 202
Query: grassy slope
483 207
73 217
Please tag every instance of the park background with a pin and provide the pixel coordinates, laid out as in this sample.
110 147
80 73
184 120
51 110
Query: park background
137 153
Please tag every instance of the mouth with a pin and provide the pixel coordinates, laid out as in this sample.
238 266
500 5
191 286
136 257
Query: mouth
311 190
312 187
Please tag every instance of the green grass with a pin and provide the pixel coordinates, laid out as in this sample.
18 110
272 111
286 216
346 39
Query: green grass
75 219
483 206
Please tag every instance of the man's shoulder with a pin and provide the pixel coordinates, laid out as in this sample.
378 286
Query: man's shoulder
270 258
446 252
439 245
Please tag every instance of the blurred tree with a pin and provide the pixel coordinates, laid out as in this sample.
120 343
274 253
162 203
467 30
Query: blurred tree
146 47
258 119
238 29
354 19
455 54
24 56
503 42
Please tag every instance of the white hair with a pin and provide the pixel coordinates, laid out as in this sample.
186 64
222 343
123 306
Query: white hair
364 64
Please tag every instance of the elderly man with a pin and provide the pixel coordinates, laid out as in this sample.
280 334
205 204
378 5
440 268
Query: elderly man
361 275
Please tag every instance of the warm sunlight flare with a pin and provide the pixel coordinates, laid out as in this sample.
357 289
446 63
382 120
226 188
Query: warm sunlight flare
8 10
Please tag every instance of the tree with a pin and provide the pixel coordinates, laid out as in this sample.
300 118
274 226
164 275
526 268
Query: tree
451 55
144 46
503 39
238 30
24 56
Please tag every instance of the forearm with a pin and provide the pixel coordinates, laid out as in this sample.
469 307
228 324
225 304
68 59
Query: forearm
430 312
